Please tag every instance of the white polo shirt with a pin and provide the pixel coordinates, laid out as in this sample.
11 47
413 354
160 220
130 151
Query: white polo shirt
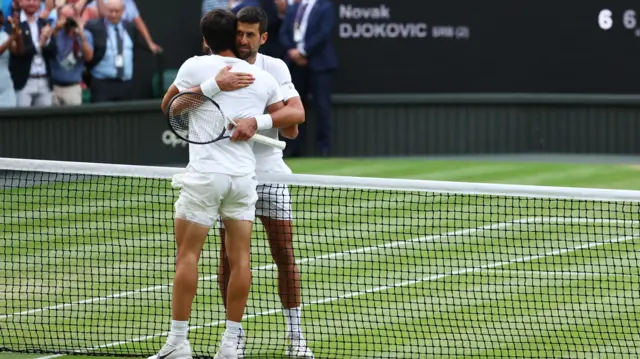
267 156
234 158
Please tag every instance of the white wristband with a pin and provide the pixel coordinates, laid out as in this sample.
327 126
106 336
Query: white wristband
264 122
210 87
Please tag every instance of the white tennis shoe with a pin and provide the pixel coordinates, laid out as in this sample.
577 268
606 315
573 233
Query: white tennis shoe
298 349
180 351
242 345
227 350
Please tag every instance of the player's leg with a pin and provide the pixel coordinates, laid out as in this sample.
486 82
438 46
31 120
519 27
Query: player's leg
223 283
238 212
280 237
193 218
223 265
274 211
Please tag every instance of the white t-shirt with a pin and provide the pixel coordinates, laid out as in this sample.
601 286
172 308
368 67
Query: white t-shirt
234 158
267 155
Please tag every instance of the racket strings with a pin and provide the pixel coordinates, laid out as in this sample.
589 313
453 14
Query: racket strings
196 119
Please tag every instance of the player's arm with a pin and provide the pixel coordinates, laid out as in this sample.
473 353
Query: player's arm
224 81
171 93
293 114
288 117
245 128
185 78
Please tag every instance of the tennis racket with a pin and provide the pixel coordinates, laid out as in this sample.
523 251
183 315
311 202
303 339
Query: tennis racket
197 119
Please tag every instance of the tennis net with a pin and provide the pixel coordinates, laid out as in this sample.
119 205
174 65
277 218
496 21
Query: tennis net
390 268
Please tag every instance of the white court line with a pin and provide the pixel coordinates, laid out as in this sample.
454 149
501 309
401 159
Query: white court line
430 238
527 274
380 289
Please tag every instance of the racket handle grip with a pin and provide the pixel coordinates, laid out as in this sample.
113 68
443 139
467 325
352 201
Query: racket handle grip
269 141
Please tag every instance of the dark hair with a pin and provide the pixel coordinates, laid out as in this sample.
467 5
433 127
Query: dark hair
219 28
254 15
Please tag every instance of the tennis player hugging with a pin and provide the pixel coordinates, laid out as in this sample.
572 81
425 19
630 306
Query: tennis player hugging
234 85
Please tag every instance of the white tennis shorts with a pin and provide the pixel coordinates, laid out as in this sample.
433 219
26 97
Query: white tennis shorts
274 201
205 197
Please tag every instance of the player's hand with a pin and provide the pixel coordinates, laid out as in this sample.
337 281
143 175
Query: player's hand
231 81
244 129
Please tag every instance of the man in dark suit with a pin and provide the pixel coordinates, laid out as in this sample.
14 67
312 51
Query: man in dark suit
306 36
113 42
30 70
272 47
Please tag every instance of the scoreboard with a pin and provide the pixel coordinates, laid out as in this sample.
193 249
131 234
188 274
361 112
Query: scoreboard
454 46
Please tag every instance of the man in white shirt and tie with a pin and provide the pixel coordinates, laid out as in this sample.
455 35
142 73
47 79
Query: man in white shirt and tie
306 37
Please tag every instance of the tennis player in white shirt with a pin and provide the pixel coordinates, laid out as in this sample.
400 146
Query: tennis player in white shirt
273 206
220 181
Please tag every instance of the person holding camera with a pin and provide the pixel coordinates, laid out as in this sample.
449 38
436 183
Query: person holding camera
30 69
73 51
10 42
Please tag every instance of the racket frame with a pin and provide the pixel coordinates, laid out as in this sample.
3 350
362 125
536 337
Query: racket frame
256 137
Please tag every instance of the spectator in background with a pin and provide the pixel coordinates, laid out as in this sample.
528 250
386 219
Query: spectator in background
79 6
73 50
237 5
113 43
132 15
10 42
275 13
306 38
90 12
208 5
8 6
30 70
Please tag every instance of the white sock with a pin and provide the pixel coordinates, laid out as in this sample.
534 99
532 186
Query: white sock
232 333
178 332
293 322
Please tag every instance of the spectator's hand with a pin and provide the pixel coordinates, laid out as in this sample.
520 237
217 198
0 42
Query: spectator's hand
80 31
155 48
16 30
59 25
231 81
297 57
45 34
244 129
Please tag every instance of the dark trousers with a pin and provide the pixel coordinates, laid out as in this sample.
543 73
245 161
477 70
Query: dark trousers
318 85
108 90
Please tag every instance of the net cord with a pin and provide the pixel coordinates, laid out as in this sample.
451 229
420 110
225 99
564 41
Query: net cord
467 188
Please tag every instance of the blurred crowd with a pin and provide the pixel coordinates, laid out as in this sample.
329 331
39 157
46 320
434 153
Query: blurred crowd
66 52
52 50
